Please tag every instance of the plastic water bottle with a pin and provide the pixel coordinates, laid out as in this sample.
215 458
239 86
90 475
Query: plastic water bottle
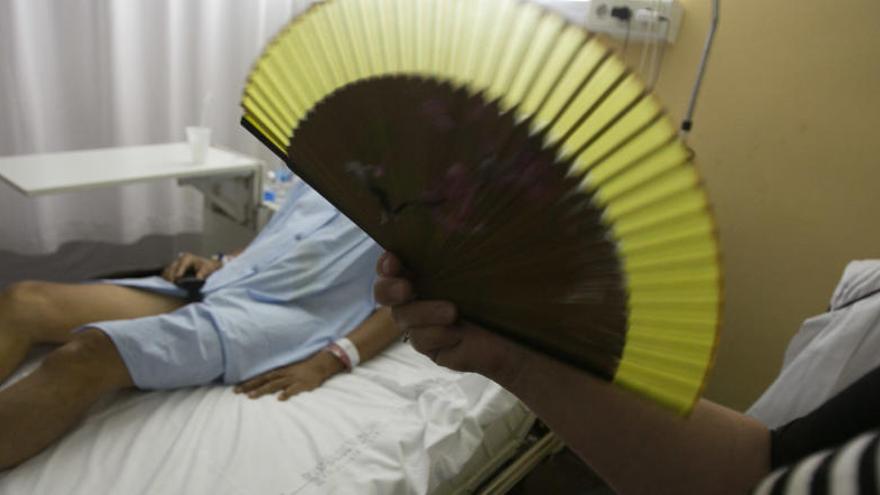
269 188
276 185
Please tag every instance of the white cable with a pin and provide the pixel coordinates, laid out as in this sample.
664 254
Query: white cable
655 72
644 56
648 17
652 51
655 31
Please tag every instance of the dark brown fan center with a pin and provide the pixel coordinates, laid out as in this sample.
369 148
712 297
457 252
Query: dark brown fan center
481 210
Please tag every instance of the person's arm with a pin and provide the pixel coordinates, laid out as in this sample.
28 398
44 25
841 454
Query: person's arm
375 334
635 445
370 338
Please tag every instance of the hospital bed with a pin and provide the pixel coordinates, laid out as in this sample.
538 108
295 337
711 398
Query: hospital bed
396 424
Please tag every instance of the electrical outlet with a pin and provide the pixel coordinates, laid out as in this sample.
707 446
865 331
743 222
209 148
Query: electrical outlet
648 20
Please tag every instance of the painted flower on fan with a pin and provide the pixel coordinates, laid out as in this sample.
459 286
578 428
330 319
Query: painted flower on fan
452 200
365 174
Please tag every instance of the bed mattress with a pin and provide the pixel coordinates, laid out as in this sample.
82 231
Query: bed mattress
397 424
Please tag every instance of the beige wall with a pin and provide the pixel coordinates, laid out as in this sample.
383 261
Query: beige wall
788 136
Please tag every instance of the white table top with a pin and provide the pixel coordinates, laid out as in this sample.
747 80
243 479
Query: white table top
75 170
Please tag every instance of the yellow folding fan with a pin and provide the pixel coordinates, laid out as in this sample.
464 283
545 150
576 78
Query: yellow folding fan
516 166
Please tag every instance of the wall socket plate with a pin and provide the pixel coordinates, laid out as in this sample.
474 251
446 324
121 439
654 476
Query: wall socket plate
600 19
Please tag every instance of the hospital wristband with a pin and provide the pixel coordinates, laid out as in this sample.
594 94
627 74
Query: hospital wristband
345 351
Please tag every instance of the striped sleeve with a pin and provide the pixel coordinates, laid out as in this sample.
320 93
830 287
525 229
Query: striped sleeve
849 469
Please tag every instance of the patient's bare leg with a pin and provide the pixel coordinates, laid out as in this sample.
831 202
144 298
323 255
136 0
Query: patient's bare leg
44 312
44 405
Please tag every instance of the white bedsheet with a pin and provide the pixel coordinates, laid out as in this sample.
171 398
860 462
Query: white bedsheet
397 424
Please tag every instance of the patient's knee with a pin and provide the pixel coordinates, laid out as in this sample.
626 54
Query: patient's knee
28 295
90 356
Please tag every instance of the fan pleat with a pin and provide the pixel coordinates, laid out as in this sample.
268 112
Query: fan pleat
582 72
304 41
280 115
605 125
655 151
265 123
580 124
520 41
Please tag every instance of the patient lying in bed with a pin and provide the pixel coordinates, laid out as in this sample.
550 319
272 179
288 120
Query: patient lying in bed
299 287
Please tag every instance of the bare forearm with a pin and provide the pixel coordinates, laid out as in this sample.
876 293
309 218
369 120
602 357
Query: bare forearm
370 338
637 446
376 333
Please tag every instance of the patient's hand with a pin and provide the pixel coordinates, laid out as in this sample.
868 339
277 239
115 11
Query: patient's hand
294 378
202 267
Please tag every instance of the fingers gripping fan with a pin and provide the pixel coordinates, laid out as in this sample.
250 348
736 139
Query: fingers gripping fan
518 169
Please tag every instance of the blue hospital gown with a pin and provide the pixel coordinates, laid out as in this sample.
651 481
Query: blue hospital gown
303 282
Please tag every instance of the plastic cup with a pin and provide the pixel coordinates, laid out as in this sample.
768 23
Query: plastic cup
199 139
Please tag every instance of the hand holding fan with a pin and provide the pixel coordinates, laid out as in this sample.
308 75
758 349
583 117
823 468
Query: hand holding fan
516 166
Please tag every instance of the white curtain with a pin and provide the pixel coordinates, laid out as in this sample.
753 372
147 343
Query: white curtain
82 74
